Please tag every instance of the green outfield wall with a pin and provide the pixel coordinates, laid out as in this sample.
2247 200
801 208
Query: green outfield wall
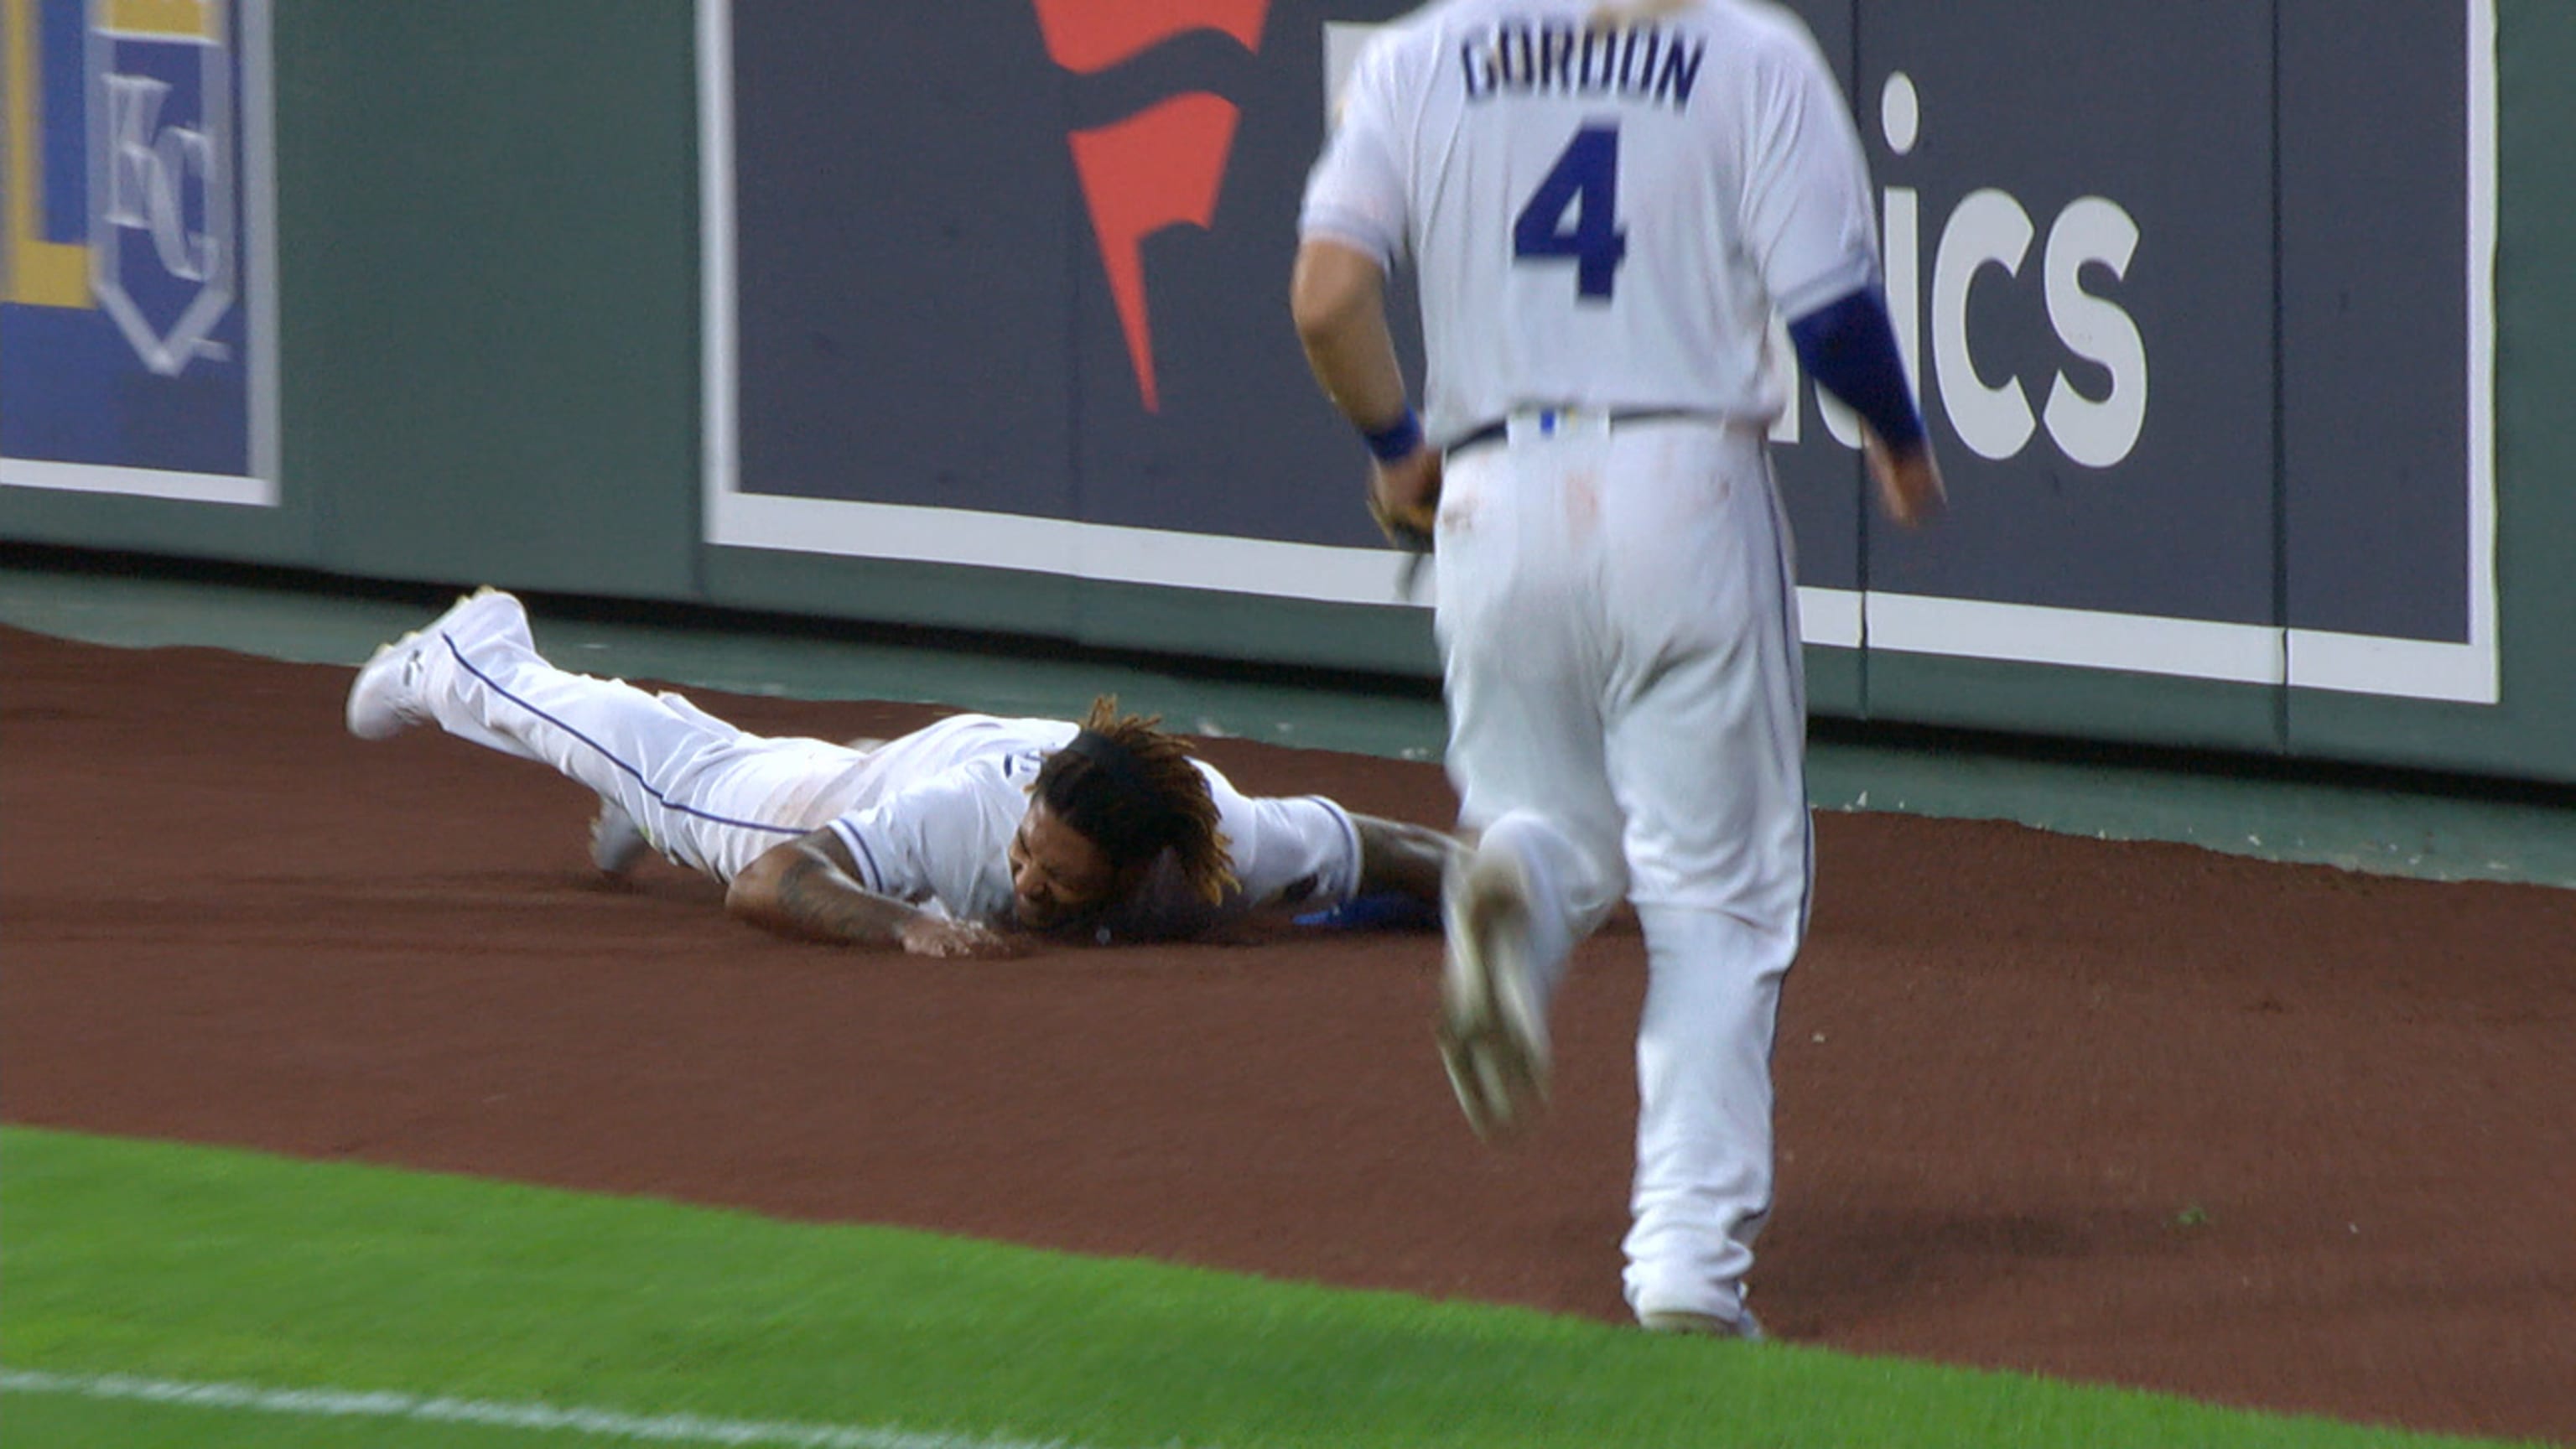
826 309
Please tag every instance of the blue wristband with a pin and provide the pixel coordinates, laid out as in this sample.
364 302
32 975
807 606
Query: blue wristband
1850 346
1396 440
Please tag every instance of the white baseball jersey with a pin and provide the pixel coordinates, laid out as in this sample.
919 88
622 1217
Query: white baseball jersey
940 837
929 816
1503 144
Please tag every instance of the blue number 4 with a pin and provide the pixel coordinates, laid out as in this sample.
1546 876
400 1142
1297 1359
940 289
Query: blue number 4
1585 180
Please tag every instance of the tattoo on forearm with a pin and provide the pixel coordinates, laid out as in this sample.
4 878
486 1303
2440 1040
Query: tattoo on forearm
817 897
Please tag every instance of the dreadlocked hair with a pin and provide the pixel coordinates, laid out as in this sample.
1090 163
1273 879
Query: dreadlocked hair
1131 790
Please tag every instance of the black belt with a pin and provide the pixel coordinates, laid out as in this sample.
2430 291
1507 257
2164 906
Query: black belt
1495 431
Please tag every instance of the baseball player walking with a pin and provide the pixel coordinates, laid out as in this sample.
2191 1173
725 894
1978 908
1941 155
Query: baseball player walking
1605 206
935 842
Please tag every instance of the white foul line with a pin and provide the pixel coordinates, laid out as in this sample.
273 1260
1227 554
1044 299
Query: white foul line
383 1404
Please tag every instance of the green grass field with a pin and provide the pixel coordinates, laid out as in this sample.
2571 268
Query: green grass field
158 1294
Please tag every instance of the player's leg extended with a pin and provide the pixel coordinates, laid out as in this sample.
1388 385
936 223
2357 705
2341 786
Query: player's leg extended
1706 753
694 783
1703 1185
1523 672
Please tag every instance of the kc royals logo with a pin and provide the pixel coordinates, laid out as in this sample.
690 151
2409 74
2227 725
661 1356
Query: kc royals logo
163 241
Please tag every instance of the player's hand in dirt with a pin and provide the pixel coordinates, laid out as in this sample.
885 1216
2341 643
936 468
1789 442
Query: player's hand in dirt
928 935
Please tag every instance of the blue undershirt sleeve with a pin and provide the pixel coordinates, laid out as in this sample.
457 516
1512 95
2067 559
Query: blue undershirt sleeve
1849 346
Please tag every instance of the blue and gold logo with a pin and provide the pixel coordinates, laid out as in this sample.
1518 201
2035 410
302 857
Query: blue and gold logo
119 148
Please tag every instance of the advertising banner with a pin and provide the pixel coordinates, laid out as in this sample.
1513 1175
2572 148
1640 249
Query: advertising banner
1005 283
137 337
2197 297
2200 299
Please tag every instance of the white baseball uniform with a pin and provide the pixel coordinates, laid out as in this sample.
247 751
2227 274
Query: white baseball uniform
1603 222
929 816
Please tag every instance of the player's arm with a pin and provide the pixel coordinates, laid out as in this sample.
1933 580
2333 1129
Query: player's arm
807 889
1805 221
1337 296
1402 858
1849 346
1351 227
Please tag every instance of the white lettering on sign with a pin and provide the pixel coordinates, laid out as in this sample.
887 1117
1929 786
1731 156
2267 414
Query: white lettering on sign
1990 230
149 173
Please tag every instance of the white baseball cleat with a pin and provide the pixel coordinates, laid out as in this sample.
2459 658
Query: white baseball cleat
616 841
384 700
1493 1027
1704 1325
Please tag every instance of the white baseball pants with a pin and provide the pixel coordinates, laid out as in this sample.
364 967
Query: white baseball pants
707 794
1619 629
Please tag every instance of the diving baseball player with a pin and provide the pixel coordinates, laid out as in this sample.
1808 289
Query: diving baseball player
932 841
1605 205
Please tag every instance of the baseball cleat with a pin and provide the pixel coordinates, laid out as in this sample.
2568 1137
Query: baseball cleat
1743 1326
384 700
1492 1030
616 841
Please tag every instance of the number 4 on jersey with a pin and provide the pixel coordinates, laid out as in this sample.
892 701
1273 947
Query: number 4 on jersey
1584 181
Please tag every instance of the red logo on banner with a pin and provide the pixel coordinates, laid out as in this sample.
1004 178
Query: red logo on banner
1158 168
